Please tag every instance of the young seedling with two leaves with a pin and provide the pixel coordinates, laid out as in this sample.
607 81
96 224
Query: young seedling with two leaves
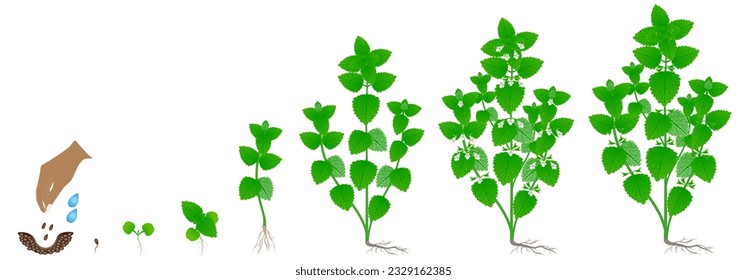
260 187
679 130
147 229
525 141
204 223
362 74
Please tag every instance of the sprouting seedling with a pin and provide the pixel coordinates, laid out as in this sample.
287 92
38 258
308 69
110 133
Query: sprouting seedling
525 141
129 227
260 187
362 73
204 223
679 133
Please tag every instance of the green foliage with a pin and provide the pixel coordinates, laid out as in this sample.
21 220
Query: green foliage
147 229
262 187
524 202
204 223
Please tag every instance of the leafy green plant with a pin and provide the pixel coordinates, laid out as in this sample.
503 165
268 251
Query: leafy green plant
204 223
679 130
261 188
362 73
525 142
129 228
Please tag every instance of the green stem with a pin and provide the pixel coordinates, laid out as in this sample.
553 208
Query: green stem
337 183
261 208
368 219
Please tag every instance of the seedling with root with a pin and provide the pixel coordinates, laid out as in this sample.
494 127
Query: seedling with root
129 227
205 224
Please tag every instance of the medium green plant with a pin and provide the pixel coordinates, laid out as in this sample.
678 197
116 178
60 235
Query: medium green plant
525 141
362 74
261 188
679 131
129 228
204 223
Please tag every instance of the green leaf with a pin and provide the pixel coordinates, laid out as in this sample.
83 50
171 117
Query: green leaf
503 133
486 192
463 115
648 56
359 142
267 188
548 172
700 136
638 187
321 125
633 153
657 125
383 177
351 81
400 123
342 196
369 74
192 211
680 28
684 165
525 132
626 122
678 200
664 86
543 144
207 228
192 234
668 48
523 203
703 104
562 124
412 136
248 155
717 119
384 80
704 167
332 139
680 126
529 171
212 216
510 97
365 107
128 227
718 89
412 110
377 207
506 167
529 66
338 166
269 161
481 159
351 64
613 158
647 36
684 56
474 129
401 178
311 140
495 67
321 170
659 17
660 161
461 165
395 107
362 173
697 86
646 106
505 29
361 46
382 56
397 151
378 140
248 189
526 38
602 123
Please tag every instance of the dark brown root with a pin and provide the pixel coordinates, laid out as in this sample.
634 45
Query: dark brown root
685 246
529 246
265 240
385 247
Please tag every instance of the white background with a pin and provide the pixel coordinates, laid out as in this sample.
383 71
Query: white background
160 94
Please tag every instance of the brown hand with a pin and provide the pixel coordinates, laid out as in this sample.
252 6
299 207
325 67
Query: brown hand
57 173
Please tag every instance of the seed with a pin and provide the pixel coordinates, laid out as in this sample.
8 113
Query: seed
96 240
51 227
44 225
46 236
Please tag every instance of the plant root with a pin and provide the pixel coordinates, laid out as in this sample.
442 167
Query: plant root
684 245
265 240
202 244
529 246
384 246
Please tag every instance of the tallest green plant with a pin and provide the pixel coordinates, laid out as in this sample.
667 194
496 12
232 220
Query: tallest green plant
679 127
362 74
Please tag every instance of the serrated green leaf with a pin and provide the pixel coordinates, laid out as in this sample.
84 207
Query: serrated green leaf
664 86
450 130
717 119
697 86
626 122
481 159
269 161
505 29
378 140
613 158
382 56
361 46
717 89
680 28
351 63
678 200
321 125
668 48
523 203
529 171
704 167
525 131
342 196
249 155
503 133
509 97
192 234
700 136
657 125
646 106
548 172
648 56
506 167
267 188
614 107
486 192
412 136
207 228
659 17
684 165
633 153
383 179
397 150
128 227
526 38
378 207
529 66
703 104
461 165
602 123
660 161
495 67
338 166
562 124
359 142
543 144
192 211
680 126
332 139
365 107
684 56
412 110
474 129
248 189
638 187
362 173
399 123
384 80
311 140
369 74
351 81
401 178
463 114
647 36
321 170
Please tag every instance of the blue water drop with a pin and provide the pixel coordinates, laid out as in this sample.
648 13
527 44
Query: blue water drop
72 216
73 201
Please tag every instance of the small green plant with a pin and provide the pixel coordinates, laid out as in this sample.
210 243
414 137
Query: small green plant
362 74
525 141
204 223
129 227
260 187
679 133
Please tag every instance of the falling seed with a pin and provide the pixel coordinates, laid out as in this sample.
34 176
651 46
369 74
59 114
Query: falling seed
46 236
44 225
51 226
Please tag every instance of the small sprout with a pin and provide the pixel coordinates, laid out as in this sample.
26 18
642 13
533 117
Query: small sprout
129 228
